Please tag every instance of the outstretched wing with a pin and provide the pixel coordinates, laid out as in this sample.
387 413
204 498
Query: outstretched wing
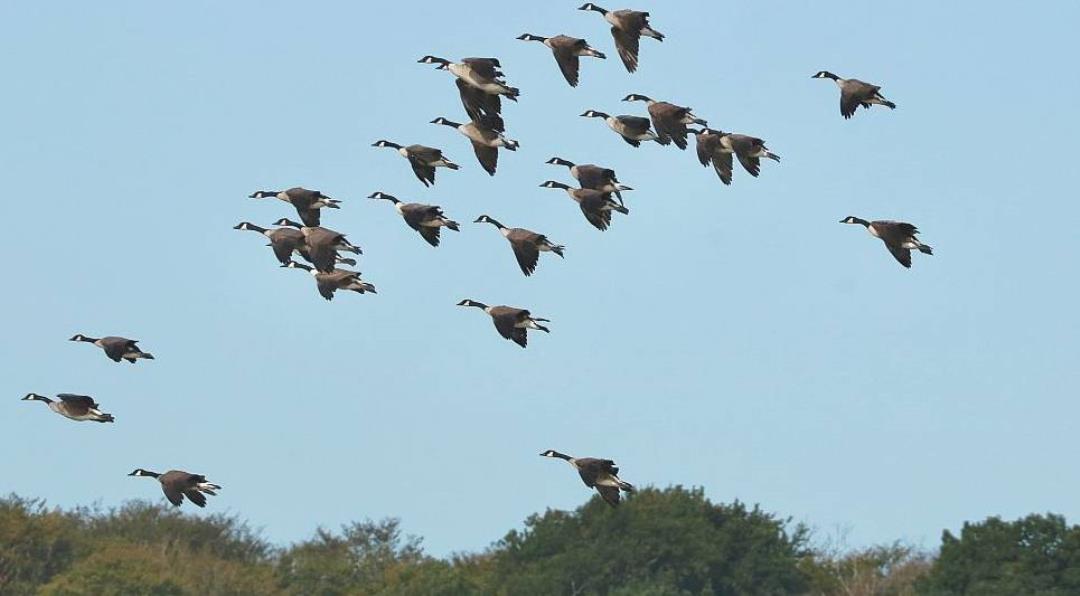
487 156
626 42
476 102
527 255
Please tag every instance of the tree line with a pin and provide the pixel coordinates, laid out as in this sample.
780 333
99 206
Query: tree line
663 542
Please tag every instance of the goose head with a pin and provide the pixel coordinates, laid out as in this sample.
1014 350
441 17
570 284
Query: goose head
81 337
824 74
851 219
441 63
594 114
469 302
591 6
445 122
142 472
554 184
36 397
558 161
556 454
385 143
636 97
382 195
531 37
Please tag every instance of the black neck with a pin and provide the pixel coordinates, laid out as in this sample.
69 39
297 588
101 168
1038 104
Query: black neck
264 194
254 228
560 455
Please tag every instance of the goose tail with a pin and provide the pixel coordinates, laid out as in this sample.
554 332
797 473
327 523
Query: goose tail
926 249
453 225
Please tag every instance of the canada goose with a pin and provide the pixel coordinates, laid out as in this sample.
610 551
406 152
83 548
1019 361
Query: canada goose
899 237
307 202
593 176
668 119
177 484
117 348
627 27
480 83
567 51
338 279
321 245
855 93
426 219
601 474
76 407
527 244
486 140
286 241
511 323
632 129
717 147
423 160
595 204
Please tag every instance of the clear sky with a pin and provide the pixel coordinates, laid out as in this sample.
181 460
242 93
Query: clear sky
737 338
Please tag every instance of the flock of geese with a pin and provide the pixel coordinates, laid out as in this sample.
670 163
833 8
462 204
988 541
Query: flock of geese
482 85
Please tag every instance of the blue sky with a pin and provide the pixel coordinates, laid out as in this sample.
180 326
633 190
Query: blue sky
736 338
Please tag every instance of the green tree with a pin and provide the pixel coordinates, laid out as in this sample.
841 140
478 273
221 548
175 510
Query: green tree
659 542
1036 555
35 544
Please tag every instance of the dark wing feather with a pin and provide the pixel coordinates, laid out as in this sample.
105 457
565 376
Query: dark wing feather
903 255
599 219
626 42
195 497
424 172
487 156
172 493
750 164
610 494
723 163
476 102
568 62
309 216
115 348
326 287
527 255
80 401
485 67
854 93
430 234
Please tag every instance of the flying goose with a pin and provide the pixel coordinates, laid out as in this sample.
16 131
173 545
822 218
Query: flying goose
527 244
596 205
717 147
567 51
480 83
668 119
75 407
307 202
423 160
511 323
855 93
117 348
332 281
593 176
486 137
286 241
627 27
601 474
177 484
632 129
322 245
426 219
899 237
